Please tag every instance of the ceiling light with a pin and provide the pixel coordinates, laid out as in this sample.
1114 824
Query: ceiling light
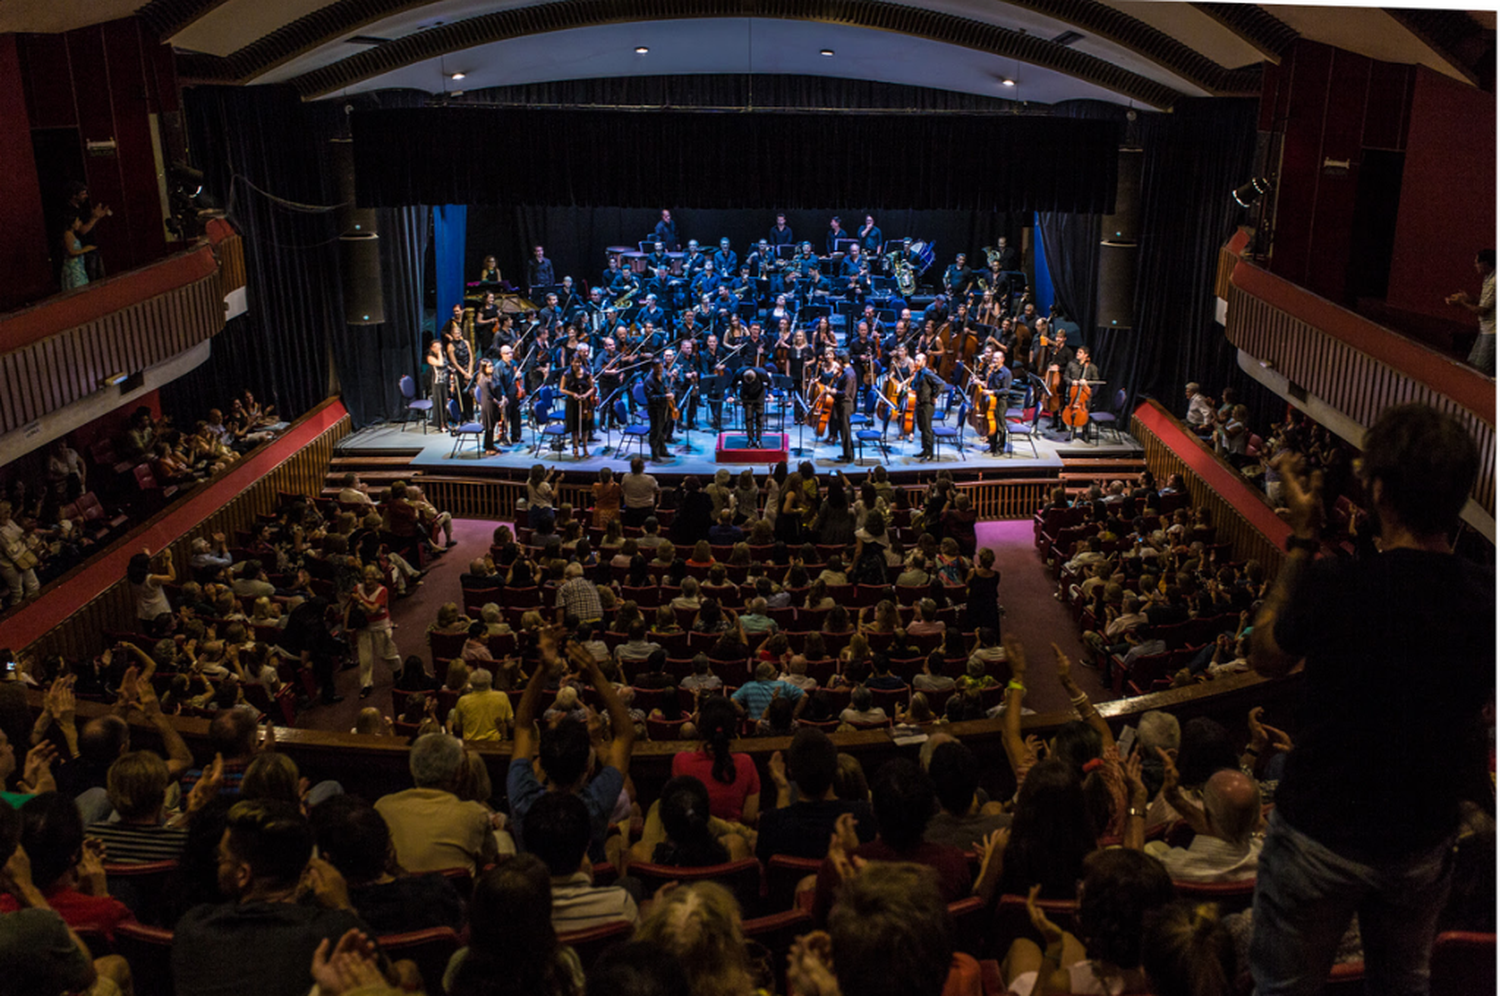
455 76
641 50
1007 82
826 52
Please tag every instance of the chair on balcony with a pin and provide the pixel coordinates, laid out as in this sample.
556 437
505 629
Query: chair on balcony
413 403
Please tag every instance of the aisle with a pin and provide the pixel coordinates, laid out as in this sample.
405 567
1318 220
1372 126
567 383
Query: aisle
1034 616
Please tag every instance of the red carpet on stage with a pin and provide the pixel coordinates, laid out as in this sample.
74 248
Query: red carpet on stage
733 447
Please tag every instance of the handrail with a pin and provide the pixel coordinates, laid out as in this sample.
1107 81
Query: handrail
1242 516
1229 257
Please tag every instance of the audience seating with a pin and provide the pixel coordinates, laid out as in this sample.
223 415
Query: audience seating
430 949
589 944
1231 896
740 877
783 872
149 951
142 887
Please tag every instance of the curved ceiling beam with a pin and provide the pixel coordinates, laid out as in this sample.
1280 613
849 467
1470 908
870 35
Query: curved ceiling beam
336 20
1256 25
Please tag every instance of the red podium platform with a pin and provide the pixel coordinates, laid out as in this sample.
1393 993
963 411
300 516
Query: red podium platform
733 447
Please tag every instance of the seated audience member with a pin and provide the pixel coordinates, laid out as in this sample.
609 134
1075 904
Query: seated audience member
1227 839
903 802
565 755
801 829
752 698
262 939
689 838
559 833
731 779
1120 888
1187 951
861 709
483 714
699 927
889 934
138 792
796 674
754 620
932 678
637 968
883 679
39 953
954 771
637 648
1157 731
702 677
431 827
67 868
232 735
353 837
655 675
725 532
513 946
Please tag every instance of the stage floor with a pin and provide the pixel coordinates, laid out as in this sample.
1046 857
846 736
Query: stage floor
693 453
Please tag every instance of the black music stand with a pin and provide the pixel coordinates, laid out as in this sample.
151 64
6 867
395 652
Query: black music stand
791 395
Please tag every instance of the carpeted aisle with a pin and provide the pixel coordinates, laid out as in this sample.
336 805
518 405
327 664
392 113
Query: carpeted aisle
1032 614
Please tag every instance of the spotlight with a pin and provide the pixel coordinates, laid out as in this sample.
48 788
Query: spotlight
826 52
1250 191
641 50
186 178
1007 82
455 76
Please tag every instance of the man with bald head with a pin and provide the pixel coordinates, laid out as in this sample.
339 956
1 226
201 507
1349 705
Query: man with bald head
1228 827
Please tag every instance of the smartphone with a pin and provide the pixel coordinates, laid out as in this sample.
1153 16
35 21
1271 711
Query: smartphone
1126 742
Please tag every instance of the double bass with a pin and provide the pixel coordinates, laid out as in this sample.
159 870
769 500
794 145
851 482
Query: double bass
1052 377
820 411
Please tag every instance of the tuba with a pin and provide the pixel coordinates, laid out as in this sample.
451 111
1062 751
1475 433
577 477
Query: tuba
626 299
991 256
906 277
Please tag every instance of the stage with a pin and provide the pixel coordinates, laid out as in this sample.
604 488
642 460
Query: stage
434 454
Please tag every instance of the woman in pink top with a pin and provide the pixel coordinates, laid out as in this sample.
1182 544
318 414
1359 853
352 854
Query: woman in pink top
732 781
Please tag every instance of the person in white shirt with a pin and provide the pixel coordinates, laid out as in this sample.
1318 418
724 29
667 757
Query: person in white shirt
1228 826
354 492
1200 413
796 673
640 492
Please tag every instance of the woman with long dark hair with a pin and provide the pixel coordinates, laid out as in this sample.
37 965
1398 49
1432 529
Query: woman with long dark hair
513 948
731 779
1050 833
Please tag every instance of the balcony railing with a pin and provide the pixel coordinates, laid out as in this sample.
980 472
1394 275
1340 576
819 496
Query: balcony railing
1354 365
60 350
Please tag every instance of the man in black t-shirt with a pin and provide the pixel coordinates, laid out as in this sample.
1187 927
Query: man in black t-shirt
1400 658
802 828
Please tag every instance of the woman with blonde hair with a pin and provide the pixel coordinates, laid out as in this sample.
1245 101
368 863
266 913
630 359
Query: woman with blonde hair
884 620
699 925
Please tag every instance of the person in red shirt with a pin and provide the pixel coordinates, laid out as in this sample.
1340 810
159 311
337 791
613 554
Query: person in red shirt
731 778
373 638
68 869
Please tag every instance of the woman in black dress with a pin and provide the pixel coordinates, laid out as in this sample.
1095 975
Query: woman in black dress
578 388
983 609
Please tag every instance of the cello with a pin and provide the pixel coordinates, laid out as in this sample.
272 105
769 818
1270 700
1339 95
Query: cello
1052 377
820 412
1076 414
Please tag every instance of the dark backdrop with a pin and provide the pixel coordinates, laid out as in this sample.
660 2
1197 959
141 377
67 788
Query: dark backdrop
575 237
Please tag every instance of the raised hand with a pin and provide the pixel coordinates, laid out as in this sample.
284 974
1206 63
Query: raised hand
206 788
1302 493
349 965
777 768
1051 932
37 773
810 966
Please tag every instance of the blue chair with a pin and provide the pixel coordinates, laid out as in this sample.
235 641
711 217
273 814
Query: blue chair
462 430
869 435
1110 419
546 423
948 433
1022 425
413 403
628 431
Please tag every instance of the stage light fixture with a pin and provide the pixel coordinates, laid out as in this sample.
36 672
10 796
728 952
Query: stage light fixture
826 52
1007 82
455 76
1250 191
641 50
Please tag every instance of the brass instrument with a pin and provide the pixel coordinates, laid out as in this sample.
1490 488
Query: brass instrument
626 299
991 256
906 277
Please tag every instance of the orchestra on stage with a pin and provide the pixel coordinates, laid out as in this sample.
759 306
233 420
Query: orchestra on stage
678 339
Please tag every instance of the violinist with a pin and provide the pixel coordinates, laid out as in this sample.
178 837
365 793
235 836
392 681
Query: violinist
735 331
507 392
871 318
780 310
929 345
486 322
711 364
1080 370
687 363
799 359
675 375
579 388
823 336
688 327
756 350
608 377
485 399
460 359
864 352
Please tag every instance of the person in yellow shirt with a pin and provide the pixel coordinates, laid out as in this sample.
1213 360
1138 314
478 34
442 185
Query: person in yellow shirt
483 714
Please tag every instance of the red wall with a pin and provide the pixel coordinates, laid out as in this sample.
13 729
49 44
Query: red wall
23 233
102 82
1447 208
1328 104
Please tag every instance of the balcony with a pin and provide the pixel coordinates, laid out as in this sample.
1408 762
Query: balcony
63 349
1344 369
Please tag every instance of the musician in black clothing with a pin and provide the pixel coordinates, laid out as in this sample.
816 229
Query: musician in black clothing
835 234
781 233
666 231
485 398
845 396
508 387
928 386
998 382
538 271
752 383
486 322
690 381
712 366
657 409
658 270
870 237
651 312
607 375
460 360
578 387
612 274
551 315
756 349
1080 370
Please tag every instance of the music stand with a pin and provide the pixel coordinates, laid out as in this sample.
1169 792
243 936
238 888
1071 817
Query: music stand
789 393
687 430
842 245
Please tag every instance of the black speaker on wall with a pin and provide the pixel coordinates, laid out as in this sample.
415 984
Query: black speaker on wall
364 302
1116 305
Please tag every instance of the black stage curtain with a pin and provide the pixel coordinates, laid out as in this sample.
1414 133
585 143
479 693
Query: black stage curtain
1194 157
511 156
1071 241
575 237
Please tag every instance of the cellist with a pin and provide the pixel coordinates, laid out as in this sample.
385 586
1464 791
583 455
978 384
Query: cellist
1051 356
1079 372
998 382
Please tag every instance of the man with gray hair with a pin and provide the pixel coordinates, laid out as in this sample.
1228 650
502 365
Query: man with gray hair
1228 840
755 619
483 714
1158 730
577 599
431 827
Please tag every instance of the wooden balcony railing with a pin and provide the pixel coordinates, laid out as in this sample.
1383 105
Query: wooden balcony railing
1356 366
1242 515
58 351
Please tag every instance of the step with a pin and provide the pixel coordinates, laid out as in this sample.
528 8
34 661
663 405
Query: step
373 461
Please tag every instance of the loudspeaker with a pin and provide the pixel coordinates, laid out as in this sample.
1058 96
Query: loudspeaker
1124 224
364 299
1116 305
352 219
